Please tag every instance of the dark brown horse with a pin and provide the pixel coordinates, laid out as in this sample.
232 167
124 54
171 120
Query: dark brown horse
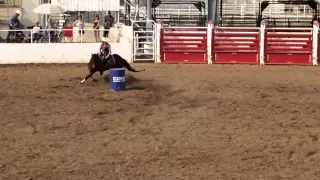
95 65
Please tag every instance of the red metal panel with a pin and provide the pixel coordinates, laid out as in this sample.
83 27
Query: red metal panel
288 46
239 57
184 57
183 45
235 45
282 58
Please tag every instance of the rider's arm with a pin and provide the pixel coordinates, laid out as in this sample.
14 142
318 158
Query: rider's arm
112 21
17 20
75 23
109 52
12 20
100 48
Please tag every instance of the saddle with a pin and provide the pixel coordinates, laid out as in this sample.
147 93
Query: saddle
107 61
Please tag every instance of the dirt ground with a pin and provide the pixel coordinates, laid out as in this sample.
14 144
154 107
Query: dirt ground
195 122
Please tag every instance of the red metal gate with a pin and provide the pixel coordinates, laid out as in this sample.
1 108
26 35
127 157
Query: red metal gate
183 45
288 46
235 45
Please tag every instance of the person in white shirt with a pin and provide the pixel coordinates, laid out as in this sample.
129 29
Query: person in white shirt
80 24
36 31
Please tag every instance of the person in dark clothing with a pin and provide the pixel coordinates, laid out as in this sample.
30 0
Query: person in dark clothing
14 23
108 23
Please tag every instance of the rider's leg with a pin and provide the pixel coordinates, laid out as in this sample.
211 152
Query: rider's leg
114 60
9 32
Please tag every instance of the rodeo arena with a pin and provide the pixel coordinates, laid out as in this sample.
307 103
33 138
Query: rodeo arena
159 90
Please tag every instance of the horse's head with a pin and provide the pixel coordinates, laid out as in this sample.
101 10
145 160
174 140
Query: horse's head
95 55
93 61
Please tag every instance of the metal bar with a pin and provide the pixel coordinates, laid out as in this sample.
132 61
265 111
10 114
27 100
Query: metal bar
287 29
238 51
236 34
289 52
222 39
184 34
237 44
290 45
290 40
185 51
290 35
181 39
176 43
191 28
236 28
235 48
289 49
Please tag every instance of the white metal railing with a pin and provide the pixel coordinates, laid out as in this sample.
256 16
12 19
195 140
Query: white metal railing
273 10
190 11
59 35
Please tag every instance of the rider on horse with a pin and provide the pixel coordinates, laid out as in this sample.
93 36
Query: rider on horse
105 53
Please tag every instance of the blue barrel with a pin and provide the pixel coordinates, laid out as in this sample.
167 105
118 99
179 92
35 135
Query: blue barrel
118 79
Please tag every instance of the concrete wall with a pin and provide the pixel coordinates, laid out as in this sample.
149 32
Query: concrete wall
58 52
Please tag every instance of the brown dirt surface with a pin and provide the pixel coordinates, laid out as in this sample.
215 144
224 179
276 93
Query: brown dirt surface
196 122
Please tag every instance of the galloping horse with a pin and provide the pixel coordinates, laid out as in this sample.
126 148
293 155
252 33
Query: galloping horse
95 65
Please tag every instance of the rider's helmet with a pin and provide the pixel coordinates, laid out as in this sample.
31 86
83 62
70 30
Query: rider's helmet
18 12
105 40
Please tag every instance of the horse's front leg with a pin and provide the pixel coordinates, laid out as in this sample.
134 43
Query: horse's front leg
106 77
89 76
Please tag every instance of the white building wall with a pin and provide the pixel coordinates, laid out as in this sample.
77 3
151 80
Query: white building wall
28 17
88 5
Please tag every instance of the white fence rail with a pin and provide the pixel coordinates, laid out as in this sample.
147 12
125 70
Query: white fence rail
88 5
273 10
59 35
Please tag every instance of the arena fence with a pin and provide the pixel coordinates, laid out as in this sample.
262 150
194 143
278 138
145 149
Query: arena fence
187 45
66 35
199 45
288 46
235 45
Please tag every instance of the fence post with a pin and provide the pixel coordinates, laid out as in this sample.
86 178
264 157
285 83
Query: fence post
315 33
158 41
31 36
209 42
262 42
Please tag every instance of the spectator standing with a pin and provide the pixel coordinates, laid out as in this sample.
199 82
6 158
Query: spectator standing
36 30
108 23
14 23
80 24
96 26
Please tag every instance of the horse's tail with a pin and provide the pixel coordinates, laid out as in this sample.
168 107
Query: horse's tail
127 65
